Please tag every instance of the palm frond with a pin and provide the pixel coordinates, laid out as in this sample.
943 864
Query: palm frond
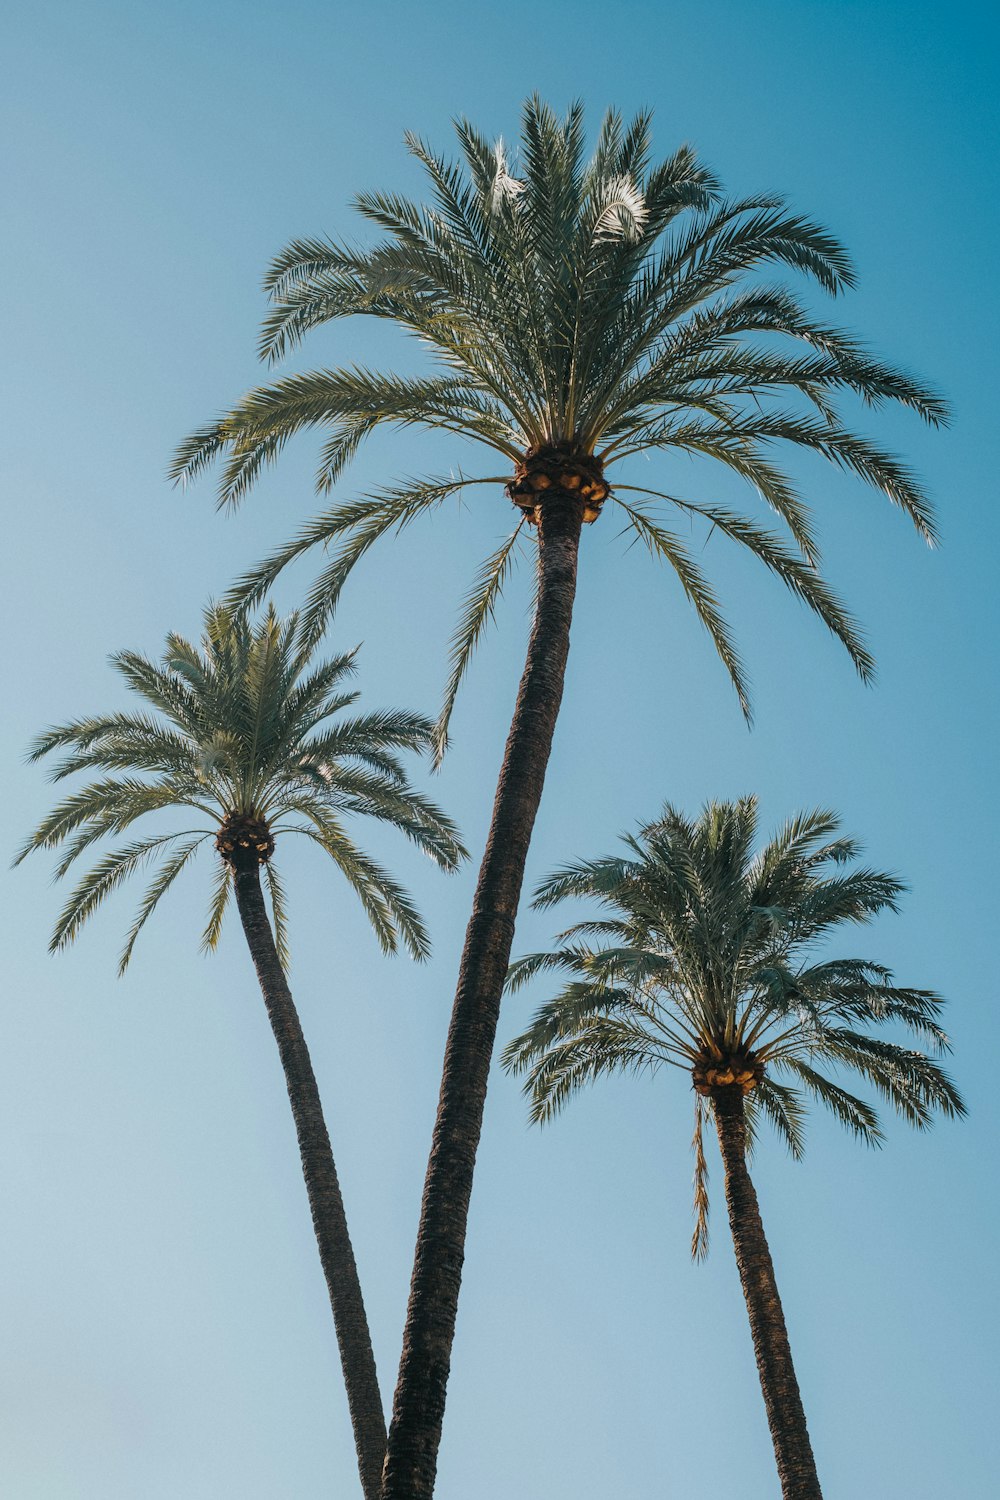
360 524
853 1113
668 547
279 913
783 1108
800 578
477 614
163 880
106 876
222 889
699 1239
390 910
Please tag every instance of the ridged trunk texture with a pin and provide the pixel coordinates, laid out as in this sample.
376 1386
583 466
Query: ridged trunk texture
329 1220
785 1415
418 1410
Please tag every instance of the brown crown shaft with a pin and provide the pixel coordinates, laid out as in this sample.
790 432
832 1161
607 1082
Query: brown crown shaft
560 467
244 839
721 1070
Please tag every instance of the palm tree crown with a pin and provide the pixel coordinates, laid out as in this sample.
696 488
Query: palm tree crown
253 734
707 961
580 313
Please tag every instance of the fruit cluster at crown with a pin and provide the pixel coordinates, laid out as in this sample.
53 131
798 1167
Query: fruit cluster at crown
564 468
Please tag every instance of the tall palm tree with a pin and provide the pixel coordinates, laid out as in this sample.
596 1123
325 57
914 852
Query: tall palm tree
251 734
706 960
580 314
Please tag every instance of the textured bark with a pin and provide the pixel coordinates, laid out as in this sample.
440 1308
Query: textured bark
785 1416
322 1185
418 1410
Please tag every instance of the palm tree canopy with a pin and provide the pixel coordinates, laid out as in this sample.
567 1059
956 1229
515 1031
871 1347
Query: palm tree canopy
254 736
578 313
708 959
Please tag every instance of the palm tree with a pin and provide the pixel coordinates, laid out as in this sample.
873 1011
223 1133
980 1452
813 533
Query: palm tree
252 735
580 314
707 961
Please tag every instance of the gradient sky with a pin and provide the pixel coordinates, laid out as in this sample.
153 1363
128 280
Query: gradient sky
163 1325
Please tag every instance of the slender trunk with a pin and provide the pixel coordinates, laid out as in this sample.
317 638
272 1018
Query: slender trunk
322 1186
785 1416
418 1410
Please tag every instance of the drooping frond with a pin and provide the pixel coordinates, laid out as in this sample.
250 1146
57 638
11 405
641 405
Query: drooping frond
389 909
279 913
354 527
914 1084
799 577
222 889
699 1239
785 1112
603 1044
161 883
664 544
853 1113
107 876
477 614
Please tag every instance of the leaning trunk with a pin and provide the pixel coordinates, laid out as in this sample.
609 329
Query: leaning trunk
785 1416
322 1186
418 1410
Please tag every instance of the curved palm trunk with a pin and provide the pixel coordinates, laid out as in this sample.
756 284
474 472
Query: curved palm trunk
418 1410
320 1173
785 1416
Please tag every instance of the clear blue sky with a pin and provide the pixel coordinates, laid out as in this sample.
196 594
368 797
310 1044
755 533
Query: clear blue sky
165 1331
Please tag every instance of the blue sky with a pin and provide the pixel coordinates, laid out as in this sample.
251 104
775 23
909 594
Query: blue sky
165 1329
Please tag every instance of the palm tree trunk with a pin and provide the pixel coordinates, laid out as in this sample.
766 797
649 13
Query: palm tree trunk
322 1186
785 1416
418 1410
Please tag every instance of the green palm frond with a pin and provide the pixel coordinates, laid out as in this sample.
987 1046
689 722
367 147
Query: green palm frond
105 807
356 527
800 578
784 1110
598 877
853 1113
703 952
279 912
222 889
603 1044
909 1080
161 883
106 876
390 910
663 544
476 615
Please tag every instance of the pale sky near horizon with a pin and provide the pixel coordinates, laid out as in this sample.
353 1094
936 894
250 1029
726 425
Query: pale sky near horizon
163 1327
